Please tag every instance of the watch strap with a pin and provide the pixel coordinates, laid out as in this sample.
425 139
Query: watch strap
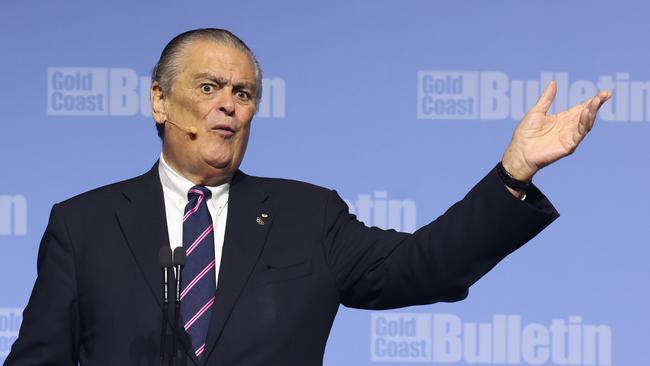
510 181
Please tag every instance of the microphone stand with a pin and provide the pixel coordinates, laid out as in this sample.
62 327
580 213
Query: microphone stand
165 259
180 257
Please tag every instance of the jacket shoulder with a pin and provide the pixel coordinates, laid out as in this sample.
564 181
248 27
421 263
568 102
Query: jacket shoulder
295 188
106 195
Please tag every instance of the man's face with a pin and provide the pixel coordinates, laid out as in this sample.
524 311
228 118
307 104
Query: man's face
214 92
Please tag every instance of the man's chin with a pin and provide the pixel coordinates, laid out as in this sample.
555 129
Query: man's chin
221 163
225 163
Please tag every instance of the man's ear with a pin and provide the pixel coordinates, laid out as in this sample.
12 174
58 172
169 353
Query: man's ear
158 103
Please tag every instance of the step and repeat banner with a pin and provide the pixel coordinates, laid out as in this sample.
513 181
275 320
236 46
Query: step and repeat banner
402 106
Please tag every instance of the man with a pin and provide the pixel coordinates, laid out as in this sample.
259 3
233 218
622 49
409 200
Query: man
268 260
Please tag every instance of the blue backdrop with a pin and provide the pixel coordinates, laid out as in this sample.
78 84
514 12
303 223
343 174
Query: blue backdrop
399 105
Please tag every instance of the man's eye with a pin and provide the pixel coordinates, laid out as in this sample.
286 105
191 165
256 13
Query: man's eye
207 88
243 95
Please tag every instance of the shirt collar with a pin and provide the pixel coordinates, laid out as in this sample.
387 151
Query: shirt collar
175 186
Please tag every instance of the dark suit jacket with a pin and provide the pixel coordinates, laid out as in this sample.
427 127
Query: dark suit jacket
97 298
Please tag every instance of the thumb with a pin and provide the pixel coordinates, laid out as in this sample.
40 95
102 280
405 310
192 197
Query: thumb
546 99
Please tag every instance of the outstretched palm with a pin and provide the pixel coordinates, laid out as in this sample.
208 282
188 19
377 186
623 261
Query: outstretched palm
541 139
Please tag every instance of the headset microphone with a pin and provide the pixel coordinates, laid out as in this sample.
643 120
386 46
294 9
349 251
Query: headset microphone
190 130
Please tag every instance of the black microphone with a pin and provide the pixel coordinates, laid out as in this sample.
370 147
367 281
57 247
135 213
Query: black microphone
165 260
179 262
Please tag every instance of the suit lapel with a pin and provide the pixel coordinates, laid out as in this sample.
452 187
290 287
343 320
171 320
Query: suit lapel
144 225
249 221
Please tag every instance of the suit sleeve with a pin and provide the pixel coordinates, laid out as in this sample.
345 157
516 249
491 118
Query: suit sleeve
383 269
49 332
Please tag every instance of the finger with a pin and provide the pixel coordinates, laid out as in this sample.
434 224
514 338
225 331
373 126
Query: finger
583 123
587 118
604 96
580 131
593 110
580 107
595 104
546 99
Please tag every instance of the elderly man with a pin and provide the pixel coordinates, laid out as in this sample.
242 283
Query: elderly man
268 260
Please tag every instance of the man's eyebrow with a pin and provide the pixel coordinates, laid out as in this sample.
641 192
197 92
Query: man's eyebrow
245 85
221 80
212 77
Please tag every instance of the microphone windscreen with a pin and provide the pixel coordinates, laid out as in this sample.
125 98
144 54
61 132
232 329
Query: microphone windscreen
165 257
179 256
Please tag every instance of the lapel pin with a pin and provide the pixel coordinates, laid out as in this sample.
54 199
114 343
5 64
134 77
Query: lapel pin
259 221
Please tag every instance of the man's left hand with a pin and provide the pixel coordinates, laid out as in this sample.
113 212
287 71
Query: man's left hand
542 139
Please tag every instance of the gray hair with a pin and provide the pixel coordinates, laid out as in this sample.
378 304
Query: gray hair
169 65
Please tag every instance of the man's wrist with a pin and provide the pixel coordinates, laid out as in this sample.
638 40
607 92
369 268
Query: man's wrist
517 167
516 187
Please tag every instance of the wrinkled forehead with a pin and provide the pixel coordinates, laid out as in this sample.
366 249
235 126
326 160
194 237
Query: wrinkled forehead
222 60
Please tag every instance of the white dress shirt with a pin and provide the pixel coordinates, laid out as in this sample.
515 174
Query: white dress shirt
175 188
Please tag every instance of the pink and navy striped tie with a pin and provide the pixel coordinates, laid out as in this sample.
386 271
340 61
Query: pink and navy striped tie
198 294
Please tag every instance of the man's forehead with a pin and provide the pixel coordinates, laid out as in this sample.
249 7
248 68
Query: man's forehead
206 57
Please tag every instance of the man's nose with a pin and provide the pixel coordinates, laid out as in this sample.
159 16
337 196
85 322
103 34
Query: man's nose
226 101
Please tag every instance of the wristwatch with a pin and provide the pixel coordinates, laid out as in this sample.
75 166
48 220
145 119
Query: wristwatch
510 181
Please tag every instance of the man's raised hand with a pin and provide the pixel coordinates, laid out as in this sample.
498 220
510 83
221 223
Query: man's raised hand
542 139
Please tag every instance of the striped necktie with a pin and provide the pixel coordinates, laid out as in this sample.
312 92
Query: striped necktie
198 295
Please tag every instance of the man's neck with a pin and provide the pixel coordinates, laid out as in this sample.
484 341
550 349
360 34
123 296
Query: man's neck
213 177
